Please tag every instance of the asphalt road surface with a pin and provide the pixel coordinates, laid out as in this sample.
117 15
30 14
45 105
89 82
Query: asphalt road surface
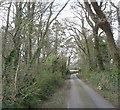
82 96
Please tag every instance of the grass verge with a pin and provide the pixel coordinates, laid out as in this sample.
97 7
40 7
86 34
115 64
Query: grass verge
59 98
104 83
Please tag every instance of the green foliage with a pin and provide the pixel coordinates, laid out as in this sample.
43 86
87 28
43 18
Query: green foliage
57 64
56 100
67 71
48 85
52 63
31 101
45 86
34 94
10 57
35 84
106 80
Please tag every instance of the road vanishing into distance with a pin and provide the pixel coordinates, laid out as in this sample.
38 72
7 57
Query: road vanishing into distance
82 96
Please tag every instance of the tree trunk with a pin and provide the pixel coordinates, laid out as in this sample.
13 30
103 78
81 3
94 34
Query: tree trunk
17 44
100 19
4 66
87 45
113 48
30 28
97 48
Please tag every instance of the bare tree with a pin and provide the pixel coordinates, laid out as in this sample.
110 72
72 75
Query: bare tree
4 40
100 19
49 21
117 8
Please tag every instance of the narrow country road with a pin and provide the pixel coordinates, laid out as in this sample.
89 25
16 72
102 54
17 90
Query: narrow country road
82 96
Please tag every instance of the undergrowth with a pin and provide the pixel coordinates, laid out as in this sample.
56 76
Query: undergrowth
104 82
34 85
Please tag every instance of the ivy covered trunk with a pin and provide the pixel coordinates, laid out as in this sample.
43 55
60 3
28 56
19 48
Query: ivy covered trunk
97 48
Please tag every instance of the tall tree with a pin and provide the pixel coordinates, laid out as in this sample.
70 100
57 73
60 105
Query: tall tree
50 19
17 34
100 19
56 28
4 66
97 44
30 8
118 18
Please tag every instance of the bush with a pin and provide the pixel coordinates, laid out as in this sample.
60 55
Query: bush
49 84
67 73
55 63
37 83
31 101
46 84
107 80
